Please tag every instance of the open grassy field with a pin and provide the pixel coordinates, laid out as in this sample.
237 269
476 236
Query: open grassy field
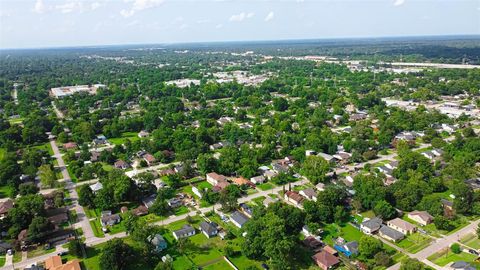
347 232
132 136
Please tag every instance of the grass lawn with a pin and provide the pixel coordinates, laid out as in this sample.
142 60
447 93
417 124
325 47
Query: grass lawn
219 265
107 167
91 213
39 251
347 232
298 187
132 136
181 210
445 257
265 186
46 147
259 200
6 191
97 228
203 185
368 214
471 240
2 260
415 242
17 257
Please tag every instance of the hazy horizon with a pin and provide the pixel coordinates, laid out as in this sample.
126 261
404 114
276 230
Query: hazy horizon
80 23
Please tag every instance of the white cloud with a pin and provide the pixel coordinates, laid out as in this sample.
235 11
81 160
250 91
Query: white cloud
399 2
69 7
270 16
241 17
39 7
139 5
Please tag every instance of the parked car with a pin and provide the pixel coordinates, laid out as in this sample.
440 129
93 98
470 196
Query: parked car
265 266
63 253
474 252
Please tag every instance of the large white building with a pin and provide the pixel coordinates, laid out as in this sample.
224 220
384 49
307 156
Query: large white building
60 92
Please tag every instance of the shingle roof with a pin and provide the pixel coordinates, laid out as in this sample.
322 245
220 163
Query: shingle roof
207 227
239 217
373 224
394 234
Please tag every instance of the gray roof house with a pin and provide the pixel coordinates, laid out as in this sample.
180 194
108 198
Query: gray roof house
110 220
390 234
185 231
209 229
158 242
238 219
371 226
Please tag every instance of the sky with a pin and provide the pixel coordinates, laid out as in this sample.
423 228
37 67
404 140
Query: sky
60 23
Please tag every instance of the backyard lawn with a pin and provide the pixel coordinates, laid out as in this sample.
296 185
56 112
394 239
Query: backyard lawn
446 256
347 232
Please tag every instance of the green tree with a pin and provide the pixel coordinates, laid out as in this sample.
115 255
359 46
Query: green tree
412 264
86 196
116 255
369 246
315 169
384 210
47 176
75 247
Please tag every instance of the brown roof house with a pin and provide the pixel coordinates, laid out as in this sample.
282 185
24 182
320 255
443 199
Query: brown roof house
121 164
5 207
55 263
325 260
214 178
150 159
294 198
401 226
422 217
69 146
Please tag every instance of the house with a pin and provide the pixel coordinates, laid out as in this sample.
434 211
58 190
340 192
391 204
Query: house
95 156
209 229
330 250
5 207
69 146
358 116
142 210
174 202
258 180
422 217
120 164
270 174
294 197
309 194
402 226
214 178
312 242
57 216
220 186
448 209
320 186
325 260
241 181
150 159
462 265
238 219
327 157
371 226
96 187
148 201
4 247
109 219
100 140
348 249
342 157
158 242
34 267
390 234
246 209
143 134
448 128
385 170
280 165
185 231
55 263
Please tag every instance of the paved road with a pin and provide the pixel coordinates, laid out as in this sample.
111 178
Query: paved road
70 186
